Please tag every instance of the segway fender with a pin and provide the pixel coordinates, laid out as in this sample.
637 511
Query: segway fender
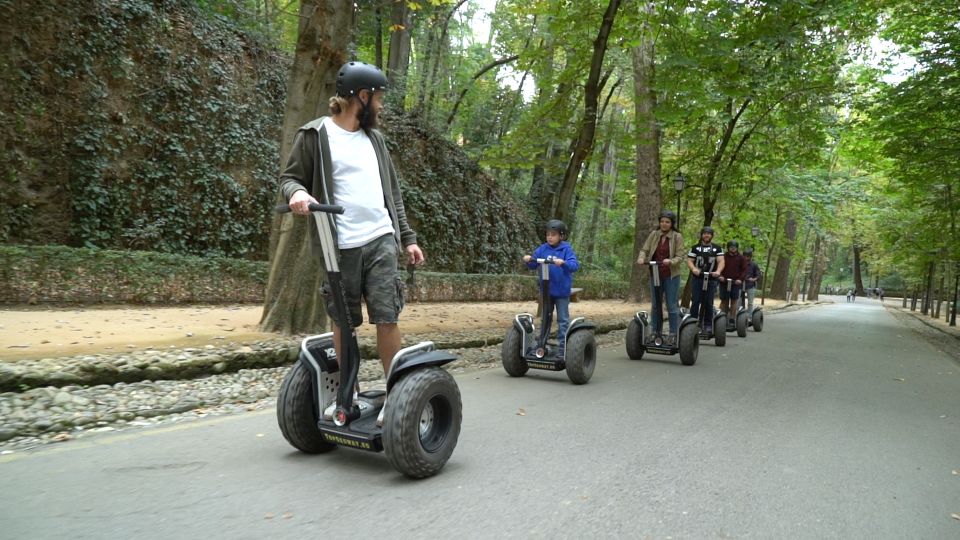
580 323
688 320
524 323
319 356
716 317
641 318
424 354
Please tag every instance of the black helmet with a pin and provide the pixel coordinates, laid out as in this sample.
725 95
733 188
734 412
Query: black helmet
748 252
706 229
557 225
733 244
669 215
356 76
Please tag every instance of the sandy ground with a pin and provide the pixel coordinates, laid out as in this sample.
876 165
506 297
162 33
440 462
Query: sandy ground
44 333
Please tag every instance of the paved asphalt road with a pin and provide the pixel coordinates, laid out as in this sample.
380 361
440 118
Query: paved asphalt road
835 422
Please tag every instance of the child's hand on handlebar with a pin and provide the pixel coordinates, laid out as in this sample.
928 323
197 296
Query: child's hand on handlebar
527 258
558 262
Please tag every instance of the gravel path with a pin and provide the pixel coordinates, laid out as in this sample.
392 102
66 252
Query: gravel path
43 415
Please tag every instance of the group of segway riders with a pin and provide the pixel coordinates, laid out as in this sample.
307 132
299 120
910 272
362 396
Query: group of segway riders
735 275
340 174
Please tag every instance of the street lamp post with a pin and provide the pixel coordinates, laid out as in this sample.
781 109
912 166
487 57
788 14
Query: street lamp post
679 180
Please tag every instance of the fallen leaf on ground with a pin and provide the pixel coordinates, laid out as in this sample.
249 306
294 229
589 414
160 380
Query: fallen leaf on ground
19 346
521 412
955 516
259 434
61 437
899 379
269 515
956 473
287 515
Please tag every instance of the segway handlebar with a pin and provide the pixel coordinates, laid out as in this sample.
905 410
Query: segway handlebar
314 207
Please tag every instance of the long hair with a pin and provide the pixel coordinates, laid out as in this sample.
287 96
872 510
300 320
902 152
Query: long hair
338 104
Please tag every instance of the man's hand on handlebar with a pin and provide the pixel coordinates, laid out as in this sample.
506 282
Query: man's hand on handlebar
715 274
415 255
300 203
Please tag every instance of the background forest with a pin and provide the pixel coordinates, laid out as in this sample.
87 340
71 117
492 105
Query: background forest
824 134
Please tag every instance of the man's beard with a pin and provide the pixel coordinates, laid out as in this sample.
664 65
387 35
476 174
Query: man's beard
368 119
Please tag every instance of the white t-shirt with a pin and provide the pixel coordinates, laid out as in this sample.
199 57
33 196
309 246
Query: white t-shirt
356 187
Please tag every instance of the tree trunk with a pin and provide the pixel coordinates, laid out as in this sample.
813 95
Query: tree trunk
292 303
399 56
781 274
943 275
588 123
648 203
801 267
378 43
770 251
857 275
819 266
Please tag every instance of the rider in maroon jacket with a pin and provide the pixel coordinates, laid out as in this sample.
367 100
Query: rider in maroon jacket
734 270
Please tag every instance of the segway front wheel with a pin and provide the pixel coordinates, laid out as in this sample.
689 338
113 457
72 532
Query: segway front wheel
742 324
758 321
689 344
635 337
719 333
421 423
296 414
581 356
513 362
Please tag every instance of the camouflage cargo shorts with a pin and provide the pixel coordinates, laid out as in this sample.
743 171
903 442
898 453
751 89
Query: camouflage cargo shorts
370 272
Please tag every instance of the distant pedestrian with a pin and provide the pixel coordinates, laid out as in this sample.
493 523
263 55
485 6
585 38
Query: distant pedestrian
849 294
880 293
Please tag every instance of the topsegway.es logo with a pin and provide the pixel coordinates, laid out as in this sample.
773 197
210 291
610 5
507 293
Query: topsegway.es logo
343 441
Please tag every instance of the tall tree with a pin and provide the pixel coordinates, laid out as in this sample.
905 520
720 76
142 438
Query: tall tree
292 303
583 143
648 201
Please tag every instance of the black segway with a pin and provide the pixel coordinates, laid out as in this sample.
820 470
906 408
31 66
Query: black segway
754 316
719 318
416 422
641 337
522 351
739 323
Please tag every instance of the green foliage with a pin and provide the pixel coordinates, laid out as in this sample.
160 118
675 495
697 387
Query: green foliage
64 275
60 274
139 124
464 220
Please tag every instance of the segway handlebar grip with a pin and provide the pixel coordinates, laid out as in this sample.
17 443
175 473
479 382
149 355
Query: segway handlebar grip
314 207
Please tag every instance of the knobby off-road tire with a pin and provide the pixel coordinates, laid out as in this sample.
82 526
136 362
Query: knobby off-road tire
513 362
720 337
689 344
582 356
758 321
742 324
295 413
422 422
635 338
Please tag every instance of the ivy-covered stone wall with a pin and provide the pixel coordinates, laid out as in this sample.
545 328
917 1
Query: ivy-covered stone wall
153 125
136 124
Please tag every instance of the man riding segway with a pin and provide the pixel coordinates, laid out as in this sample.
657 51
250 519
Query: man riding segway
705 261
733 276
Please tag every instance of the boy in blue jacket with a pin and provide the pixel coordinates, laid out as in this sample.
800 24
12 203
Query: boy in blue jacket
561 273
